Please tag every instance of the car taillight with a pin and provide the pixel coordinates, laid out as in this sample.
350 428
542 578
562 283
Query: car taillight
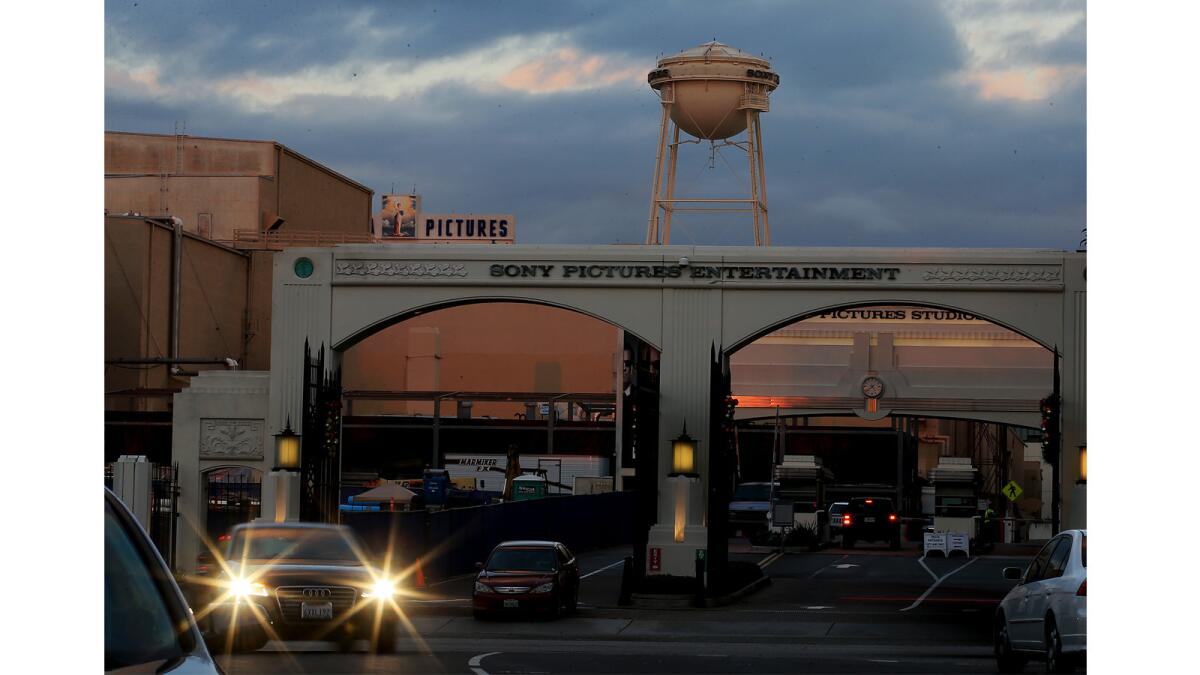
846 519
891 516
870 501
1082 589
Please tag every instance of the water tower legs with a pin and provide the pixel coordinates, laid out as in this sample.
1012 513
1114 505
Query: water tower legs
751 152
669 207
664 203
652 234
762 179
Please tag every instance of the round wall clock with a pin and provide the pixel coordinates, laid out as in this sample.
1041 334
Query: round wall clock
872 387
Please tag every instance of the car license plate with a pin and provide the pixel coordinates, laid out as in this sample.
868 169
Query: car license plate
511 603
868 520
319 610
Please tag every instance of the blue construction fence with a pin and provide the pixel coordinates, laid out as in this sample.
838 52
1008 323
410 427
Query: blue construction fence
450 542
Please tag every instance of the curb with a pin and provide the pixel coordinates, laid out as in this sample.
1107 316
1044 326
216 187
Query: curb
733 597
687 601
661 600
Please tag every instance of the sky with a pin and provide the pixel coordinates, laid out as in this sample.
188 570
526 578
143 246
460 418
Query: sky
952 123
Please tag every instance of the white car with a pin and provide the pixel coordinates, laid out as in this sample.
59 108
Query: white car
148 627
1045 616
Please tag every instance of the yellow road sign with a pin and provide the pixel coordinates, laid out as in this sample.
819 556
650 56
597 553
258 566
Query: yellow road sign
1012 490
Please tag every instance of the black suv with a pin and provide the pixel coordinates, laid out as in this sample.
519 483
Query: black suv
870 519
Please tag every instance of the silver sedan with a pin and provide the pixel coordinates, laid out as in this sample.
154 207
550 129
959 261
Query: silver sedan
1045 616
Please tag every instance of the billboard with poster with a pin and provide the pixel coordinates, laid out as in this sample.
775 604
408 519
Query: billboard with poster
398 217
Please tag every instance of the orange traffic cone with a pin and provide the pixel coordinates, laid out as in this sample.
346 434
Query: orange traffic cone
420 575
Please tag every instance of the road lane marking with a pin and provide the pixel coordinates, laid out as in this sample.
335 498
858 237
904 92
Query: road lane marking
937 583
474 663
765 562
922 561
619 562
814 574
453 578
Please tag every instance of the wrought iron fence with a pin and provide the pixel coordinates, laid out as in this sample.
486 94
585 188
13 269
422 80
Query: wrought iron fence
164 509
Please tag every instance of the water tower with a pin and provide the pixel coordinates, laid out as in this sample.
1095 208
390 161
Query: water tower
712 93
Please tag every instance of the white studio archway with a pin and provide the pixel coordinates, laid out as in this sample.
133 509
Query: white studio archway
683 300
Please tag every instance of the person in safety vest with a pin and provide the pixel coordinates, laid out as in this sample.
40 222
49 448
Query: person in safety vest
989 516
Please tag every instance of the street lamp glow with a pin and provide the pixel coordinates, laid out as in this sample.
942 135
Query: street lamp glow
287 449
683 451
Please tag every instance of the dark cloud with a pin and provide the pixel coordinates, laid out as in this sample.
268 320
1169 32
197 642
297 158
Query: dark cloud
873 138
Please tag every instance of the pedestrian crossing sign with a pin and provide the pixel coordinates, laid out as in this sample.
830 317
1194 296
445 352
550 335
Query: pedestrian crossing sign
1012 490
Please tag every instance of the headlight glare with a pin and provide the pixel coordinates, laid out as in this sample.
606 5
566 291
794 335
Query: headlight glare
544 588
382 588
243 588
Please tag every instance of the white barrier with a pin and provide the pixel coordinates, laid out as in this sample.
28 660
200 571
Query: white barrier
947 542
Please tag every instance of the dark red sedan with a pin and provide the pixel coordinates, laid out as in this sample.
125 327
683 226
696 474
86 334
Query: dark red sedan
535 576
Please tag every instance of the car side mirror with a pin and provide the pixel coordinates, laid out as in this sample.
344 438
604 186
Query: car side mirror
1013 573
479 566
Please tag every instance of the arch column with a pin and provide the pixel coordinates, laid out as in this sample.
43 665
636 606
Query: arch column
1073 386
300 310
691 326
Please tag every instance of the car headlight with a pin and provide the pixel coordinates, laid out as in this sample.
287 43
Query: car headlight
481 587
544 588
383 588
243 588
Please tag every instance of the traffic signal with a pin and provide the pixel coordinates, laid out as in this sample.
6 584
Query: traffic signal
1051 437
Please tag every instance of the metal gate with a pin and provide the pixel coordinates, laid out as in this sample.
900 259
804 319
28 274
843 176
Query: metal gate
233 495
722 464
164 509
320 442
640 439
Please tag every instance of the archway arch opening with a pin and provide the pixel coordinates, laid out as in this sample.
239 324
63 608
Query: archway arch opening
232 495
458 385
879 393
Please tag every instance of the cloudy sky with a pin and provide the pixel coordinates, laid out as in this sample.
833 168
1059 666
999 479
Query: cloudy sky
897 123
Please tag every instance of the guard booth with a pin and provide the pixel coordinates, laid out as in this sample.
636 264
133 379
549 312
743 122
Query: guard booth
955 497
802 480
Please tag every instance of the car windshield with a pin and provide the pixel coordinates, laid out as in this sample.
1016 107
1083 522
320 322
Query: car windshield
138 628
263 543
523 559
752 493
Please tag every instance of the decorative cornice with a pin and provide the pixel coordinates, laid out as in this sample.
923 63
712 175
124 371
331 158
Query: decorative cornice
995 274
400 269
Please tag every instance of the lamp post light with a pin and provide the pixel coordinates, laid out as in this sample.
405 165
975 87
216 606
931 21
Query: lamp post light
283 482
683 474
683 454
287 449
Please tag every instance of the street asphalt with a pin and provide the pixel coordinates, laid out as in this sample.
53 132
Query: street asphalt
866 610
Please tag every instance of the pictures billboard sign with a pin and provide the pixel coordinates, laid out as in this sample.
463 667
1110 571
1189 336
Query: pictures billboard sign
456 228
